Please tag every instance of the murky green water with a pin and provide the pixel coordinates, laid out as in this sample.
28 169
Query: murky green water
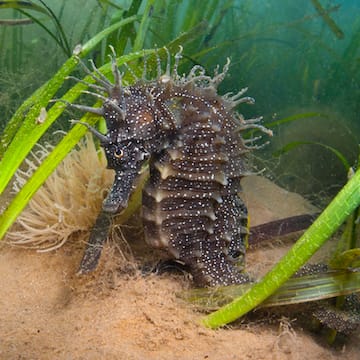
300 60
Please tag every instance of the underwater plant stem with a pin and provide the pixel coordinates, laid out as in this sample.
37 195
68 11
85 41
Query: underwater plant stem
324 226
327 19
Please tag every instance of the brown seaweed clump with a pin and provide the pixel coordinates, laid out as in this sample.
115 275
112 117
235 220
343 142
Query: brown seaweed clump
67 203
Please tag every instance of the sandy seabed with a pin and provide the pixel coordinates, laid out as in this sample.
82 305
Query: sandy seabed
48 312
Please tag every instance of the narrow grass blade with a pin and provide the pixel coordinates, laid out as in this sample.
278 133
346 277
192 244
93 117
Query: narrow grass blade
294 291
22 5
41 174
324 226
294 144
296 117
143 28
23 131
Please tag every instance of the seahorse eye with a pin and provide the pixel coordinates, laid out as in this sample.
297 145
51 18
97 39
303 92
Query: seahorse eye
118 153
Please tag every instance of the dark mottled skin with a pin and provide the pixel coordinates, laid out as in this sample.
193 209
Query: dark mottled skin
190 136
